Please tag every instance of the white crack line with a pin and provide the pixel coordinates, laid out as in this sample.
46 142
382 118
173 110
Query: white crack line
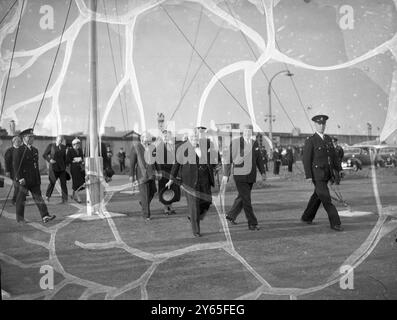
263 59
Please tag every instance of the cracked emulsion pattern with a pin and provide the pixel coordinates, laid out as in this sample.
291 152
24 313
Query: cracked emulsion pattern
386 223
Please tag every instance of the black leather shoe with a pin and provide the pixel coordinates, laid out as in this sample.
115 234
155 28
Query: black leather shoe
253 228
307 221
48 218
337 228
231 220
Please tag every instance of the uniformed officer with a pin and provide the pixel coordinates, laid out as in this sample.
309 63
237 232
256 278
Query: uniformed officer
338 149
27 175
321 165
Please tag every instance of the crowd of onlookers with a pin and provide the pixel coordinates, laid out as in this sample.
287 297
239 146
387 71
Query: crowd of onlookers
281 156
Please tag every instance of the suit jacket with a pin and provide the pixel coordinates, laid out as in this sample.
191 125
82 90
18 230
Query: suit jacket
25 163
319 158
121 156
141 170
165 156
57 153
8 161
277 155
187 163
244 162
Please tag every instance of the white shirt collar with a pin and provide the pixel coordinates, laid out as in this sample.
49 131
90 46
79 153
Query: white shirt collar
198 151
320 134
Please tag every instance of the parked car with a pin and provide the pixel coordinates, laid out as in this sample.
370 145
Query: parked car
358 156
389 156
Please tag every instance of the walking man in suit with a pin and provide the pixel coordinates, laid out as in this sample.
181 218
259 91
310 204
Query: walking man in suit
9 170
165 159
143 172
193 161
55 155
245 157
27 175
321 165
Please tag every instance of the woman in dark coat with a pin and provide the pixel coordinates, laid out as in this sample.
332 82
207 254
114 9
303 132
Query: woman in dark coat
75 158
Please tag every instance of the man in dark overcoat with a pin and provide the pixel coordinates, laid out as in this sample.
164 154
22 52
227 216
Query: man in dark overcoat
196 163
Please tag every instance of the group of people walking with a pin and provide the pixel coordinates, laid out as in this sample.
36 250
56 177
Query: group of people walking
191 165
22 167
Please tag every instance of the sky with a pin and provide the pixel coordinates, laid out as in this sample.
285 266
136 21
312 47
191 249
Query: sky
165 74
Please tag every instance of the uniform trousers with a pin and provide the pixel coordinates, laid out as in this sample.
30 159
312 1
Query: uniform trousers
321 195
37 197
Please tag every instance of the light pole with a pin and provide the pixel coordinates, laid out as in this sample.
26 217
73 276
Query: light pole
369 127
269 92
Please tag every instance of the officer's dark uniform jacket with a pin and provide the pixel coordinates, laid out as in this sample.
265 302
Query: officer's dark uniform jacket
320 159
27 161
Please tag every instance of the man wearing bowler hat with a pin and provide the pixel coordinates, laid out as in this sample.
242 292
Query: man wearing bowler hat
27 175
321 165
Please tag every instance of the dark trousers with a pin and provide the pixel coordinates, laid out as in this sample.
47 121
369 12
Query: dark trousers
122 166
199 202
290 163
276 168
243 201
321 195
38 199
53 177
147 191
16 186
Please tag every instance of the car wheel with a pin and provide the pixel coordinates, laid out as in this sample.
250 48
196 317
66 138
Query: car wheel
355 167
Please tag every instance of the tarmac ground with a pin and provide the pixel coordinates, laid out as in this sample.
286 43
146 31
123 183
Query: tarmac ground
122 256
